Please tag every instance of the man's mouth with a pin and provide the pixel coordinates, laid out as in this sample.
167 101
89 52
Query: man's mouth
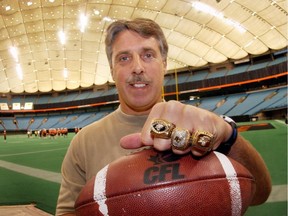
139 85
138 81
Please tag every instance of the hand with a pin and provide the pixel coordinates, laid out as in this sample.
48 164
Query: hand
183 116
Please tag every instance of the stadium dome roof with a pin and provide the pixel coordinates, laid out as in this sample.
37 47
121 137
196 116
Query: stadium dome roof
33 58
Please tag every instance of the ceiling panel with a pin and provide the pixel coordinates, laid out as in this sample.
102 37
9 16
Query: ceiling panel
196 37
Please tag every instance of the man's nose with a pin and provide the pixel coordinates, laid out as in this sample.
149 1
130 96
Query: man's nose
137 65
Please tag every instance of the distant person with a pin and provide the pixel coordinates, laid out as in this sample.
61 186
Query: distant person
5 135
29 133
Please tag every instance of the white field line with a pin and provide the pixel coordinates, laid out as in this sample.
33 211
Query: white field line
278 194
279 121
34 152
38 173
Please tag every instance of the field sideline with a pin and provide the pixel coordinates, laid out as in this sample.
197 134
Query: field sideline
30 168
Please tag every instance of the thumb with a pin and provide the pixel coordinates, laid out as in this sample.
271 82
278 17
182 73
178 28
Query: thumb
131 141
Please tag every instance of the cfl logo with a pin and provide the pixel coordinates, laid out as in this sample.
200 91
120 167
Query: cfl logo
162 173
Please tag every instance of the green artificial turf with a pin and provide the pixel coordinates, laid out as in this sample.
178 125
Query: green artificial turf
46 153
18 189
272 145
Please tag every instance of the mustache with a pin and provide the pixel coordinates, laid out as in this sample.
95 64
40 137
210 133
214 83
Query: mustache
138 78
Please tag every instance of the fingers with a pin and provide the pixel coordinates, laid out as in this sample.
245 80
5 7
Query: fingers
131 141
159 111
206 129
182 128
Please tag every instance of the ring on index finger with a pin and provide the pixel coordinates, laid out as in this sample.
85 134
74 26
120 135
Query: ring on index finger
162 129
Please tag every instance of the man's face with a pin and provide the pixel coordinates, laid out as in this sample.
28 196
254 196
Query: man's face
138 70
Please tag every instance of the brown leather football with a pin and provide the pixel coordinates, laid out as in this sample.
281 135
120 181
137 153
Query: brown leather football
149 182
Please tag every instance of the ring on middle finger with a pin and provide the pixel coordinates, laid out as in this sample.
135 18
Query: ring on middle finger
180 139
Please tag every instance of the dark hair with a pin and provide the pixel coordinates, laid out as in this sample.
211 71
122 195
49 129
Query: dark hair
144 27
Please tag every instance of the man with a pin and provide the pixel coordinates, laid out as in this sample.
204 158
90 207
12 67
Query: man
5 135
137 54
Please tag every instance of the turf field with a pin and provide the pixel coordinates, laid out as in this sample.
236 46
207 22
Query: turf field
30 167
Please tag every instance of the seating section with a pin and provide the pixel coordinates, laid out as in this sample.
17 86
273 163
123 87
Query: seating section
169 80
276 99
239 69
229 104
211 104
220 73
251 100
44 99
69 121
278 61
201 75
258 66
249 103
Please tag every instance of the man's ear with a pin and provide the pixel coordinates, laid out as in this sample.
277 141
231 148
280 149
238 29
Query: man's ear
165 66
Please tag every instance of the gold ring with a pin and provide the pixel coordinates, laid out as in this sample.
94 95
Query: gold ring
161 128
180 139
202 140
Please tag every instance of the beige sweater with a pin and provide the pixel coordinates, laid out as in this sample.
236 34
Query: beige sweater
91 149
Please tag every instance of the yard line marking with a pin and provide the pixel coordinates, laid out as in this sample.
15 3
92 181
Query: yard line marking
38 173
279 121
278 194
34 152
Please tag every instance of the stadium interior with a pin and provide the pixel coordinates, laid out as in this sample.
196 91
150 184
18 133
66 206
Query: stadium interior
246 92
211 65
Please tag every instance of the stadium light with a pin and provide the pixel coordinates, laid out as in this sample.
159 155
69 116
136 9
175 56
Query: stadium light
83 22
14 52
210 10
62 37
19 71
65 73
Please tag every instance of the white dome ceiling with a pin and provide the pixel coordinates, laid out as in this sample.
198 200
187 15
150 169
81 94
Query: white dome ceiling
197 35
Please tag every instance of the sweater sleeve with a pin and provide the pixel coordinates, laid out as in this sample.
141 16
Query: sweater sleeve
73 179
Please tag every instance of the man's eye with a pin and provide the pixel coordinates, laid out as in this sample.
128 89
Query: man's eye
148 55
124 58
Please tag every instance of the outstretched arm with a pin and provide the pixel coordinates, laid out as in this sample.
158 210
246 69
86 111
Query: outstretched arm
196 119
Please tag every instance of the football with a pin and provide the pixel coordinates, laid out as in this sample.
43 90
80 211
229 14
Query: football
150 182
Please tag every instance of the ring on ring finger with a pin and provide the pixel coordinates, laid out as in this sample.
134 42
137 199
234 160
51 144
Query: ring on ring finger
202 140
